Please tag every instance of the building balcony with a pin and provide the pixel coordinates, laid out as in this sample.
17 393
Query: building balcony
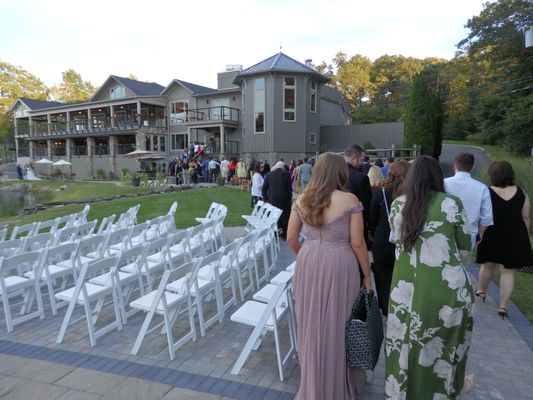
208 115
87 127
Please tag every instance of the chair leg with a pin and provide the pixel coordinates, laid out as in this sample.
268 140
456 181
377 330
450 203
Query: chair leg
68 316
90 322
198 300
142 332
7 312
278 349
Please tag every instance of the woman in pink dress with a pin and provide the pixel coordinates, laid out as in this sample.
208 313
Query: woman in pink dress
327 280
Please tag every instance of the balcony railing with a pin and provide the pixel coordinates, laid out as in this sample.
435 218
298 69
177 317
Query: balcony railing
131 122
78 150
125 148
221 113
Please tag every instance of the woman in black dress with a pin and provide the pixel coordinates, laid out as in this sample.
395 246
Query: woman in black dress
382 248
507 241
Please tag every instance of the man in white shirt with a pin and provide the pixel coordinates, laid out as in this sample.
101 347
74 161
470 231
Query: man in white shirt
224 168
473 194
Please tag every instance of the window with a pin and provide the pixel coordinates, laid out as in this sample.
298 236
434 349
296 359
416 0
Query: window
259 105
178 112
312 137
162 143
289 98
156 143
117 92
178 141
313 97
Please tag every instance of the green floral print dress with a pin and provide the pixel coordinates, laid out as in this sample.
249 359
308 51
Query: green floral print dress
430 309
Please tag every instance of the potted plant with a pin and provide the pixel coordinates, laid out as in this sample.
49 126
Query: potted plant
220 180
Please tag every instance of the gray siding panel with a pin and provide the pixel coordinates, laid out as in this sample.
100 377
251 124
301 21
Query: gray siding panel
384 135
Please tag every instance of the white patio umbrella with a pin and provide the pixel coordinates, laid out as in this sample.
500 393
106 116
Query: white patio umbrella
62 163
138 154
46 162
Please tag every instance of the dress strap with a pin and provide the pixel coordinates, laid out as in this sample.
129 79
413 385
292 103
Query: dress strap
356 209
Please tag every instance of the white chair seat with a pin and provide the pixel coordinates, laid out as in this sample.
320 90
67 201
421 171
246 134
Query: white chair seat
250 313
92 291
69 264
283 277
102 280
179 286
11 281
144 302
54 270
291 267
265 294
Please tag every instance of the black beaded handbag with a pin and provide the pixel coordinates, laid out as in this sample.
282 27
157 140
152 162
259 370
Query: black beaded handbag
364 332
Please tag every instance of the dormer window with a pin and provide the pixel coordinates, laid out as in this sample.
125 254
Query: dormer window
117 92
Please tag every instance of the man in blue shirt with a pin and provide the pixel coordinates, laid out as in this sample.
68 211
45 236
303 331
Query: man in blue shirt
385 168
473 194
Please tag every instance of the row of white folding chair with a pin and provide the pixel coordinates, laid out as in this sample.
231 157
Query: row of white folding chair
266 216
40 241
35 228
265 317
13 284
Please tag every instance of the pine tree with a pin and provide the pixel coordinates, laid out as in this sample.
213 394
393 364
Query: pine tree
420 117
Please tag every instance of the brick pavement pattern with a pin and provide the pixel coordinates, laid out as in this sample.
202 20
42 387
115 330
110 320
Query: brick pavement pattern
32 365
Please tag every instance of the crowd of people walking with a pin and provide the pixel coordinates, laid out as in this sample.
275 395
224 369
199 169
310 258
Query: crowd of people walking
419 229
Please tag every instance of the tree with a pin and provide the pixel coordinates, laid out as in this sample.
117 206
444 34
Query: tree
16 82
353 79
73 89
420 117
500 73
133 76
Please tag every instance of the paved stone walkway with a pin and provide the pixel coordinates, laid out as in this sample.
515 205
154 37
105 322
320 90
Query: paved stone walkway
33 366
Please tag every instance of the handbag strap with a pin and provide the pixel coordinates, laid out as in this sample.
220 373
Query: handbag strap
385 201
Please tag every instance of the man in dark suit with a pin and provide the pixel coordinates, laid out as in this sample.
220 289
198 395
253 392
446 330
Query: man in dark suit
358 183
277 190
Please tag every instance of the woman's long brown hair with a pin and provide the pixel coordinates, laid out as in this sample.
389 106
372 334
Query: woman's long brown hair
330 173
395 177
423 179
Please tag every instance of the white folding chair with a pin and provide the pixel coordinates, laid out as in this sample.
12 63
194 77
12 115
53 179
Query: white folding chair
169 305
243 264
106 224
263 317
51 272
178 250
90 245
37 242
86 229
13 285
138 234
196 243
208 236
11 247
204 290
209 214
85 293
47 226
23 230
114 242
65 235
129 277
226 273
156 260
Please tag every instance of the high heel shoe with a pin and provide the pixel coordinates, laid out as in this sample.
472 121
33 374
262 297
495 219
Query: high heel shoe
481 295
469 384
502 312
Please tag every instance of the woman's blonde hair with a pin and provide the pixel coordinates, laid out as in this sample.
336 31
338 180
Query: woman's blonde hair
330 173
375 176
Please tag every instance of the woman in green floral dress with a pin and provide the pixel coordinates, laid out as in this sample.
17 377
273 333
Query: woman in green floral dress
430 309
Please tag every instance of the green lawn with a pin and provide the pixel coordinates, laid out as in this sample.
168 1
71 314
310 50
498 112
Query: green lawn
191 203
524 174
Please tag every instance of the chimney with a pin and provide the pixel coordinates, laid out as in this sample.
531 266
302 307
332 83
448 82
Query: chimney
308 62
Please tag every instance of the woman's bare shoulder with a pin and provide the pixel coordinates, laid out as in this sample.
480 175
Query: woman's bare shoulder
345 200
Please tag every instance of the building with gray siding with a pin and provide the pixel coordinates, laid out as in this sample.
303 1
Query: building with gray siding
271 110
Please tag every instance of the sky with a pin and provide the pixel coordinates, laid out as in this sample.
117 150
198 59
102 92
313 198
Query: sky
158 41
